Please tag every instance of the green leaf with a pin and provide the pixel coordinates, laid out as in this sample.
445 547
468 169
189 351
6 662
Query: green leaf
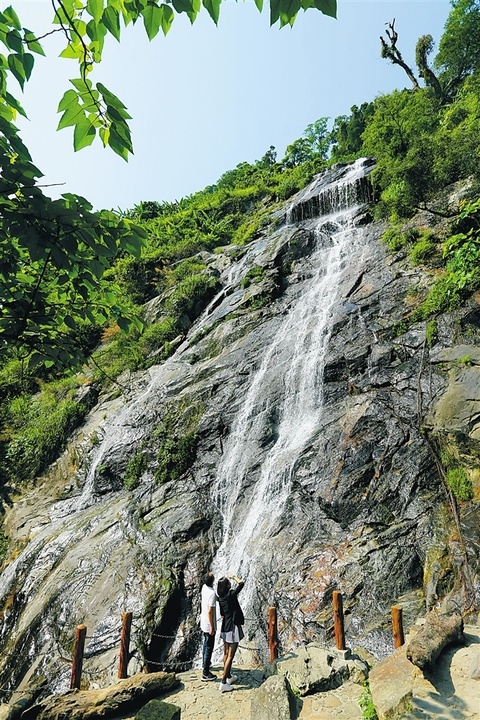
14 41
288 11
16 67
70 322
84 134
117 115
71 116
121 129
111 99
111 20
167 18
190 7
32 42
152 19
83 85
69 97
118 146
12 17
274 11
72 52
28 63
327 7
213 9
259 4
95 9
13 102
123 323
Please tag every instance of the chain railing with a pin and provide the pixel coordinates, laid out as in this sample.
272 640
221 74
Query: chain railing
272 632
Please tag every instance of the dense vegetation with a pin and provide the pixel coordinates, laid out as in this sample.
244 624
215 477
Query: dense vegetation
424 139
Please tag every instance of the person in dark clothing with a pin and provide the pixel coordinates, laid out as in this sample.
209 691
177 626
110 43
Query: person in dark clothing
231 631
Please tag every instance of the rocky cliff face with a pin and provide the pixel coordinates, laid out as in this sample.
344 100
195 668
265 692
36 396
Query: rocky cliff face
287 439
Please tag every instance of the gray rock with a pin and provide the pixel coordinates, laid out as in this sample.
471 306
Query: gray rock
391 685
475 668
271 701
158 710
361 507
311 669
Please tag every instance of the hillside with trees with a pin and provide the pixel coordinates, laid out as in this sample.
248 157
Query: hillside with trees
278 374
87 296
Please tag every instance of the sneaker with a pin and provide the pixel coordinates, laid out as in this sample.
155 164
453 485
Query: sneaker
232 679
207 676
225 687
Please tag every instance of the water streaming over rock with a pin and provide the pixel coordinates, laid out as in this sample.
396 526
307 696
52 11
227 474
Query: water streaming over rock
282 407
308 475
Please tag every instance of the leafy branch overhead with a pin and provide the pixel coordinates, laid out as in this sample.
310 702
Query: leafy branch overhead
55 256
94 109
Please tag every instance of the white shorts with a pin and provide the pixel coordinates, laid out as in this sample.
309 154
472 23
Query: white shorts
232 636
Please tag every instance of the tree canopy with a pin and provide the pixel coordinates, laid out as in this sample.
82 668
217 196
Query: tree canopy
54 254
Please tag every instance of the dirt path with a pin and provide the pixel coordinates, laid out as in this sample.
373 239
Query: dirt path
199 700
448 693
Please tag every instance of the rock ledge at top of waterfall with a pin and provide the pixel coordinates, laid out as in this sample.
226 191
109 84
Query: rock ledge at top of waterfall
339 187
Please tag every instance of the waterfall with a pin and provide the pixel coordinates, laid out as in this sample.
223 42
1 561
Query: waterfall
284 398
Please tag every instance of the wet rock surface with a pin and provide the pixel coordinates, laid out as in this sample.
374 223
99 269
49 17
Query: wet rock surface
366 511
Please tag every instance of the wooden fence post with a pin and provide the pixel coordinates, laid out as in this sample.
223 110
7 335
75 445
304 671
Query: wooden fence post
125 645
80 634
272 633
338 620
397 625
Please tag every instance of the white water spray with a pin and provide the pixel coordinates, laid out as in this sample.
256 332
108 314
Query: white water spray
252 484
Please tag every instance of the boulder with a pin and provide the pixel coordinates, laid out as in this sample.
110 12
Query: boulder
391 685
158 710
271 701
128 694
313 668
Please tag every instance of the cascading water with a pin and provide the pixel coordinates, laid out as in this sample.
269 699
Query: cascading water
93 548
284 398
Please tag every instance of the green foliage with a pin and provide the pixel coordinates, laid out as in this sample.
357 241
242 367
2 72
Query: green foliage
457 146
134 471
396 238
37 429
15 378
431 332
459 48
460 484
54 255
346 134
426 139
461 277
190 297
424 250
3 548
400 135
314 144
366 704
177 436
96 110
255 274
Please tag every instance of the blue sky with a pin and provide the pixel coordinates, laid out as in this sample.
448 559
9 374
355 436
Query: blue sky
206 98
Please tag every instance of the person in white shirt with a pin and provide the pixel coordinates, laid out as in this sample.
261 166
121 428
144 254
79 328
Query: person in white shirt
208 624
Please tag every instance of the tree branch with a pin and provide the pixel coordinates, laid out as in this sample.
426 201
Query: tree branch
392 53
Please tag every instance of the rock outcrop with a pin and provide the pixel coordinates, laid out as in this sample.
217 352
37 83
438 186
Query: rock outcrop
306 487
